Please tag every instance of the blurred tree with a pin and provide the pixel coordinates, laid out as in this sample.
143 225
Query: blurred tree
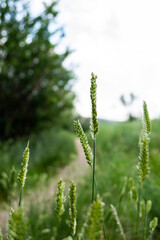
35 87
128 102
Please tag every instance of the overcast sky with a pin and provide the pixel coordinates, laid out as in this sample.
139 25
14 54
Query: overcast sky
118 40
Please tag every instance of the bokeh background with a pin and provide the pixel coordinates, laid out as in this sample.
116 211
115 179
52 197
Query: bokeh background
47 54
118 41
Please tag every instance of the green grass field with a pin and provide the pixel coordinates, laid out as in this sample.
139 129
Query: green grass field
49 150
117 157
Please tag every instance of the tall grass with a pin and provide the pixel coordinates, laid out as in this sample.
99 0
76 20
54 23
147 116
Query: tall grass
126 192
46 159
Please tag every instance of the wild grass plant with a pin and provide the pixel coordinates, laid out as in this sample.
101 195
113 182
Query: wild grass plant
103 210
46 160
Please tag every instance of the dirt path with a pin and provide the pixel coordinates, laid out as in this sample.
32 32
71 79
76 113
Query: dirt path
68 173
44 193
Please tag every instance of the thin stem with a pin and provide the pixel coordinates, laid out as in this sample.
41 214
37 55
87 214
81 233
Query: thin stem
145 224
95 182
138 210
146 214
93 169
104 233
20 197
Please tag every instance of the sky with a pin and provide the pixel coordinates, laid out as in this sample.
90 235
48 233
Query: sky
119 41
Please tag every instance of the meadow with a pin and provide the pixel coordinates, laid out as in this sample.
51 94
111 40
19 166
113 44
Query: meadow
46 158
117 198
117 158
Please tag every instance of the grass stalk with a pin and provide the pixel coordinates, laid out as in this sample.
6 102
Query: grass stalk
145 224
93 169
138 211
20 197
94 182
146 213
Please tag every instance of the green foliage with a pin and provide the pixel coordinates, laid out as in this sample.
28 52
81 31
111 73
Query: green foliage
44 224
60 199
94 121
8 185
72 209
68 238
24 167
35 87
117 151
46 158
84 141
17 225
92 228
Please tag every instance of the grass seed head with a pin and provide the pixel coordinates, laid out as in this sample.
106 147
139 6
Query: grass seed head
60 199
94 121
149 206
146 120
153 224
72 209
24 167
84 141
143 163
115 214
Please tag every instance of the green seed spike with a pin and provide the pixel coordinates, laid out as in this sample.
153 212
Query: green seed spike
94 121
142 209
115 214
146 121
17 225
149 206
143 164
153 224
24 167
93 226
72 209
60 199
134 194
84 141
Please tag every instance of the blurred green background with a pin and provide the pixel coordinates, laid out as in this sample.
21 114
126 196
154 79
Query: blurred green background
37 104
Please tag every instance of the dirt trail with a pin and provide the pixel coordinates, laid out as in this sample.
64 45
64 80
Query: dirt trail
70 172
43 193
